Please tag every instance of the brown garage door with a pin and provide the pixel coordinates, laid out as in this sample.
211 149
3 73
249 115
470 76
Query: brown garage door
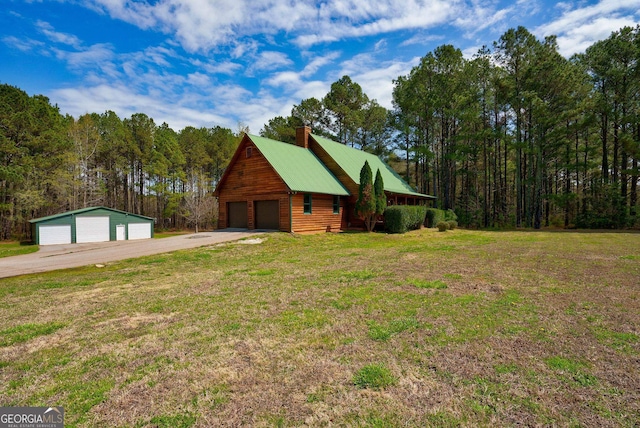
237 213
267 215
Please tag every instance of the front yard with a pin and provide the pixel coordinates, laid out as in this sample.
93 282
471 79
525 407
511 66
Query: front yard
422 329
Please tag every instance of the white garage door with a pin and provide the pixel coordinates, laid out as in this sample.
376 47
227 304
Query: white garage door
92 229
50 235
139 230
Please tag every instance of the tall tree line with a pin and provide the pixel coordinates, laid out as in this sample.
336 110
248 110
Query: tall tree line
515 136
51 163
518 135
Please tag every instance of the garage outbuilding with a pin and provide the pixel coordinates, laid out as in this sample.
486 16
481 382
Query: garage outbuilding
95 224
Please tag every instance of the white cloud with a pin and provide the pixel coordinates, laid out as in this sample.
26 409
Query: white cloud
120 99
358 18
583 15
159 55
307 40
230 39
224 67
202 25
579 28
198 79
481 17
381 45
256 114
378 84
375 76
137 13
422 39
286 79
319 61
315 88
244 48
270 60
471 51
56 36
357 64
293 86
97 56
24 45
578 39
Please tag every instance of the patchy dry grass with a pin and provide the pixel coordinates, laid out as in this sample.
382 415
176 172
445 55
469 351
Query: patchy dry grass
423 329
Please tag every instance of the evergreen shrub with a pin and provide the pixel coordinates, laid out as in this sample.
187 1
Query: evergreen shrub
434 216
450 215
442 226
402 218
452 224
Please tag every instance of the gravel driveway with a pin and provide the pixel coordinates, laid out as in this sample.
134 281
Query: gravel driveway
53 257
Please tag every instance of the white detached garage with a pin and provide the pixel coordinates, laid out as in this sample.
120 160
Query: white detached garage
95 224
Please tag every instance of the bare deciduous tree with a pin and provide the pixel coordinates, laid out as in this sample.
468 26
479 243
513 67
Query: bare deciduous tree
199 204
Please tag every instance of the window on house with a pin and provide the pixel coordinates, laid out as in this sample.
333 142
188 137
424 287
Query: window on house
307 204
249 151
336 204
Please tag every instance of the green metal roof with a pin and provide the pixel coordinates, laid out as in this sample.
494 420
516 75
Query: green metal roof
84 210
300 169
351 161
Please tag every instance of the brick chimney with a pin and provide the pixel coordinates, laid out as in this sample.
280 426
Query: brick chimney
302 136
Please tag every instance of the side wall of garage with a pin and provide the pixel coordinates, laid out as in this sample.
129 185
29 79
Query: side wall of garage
126 219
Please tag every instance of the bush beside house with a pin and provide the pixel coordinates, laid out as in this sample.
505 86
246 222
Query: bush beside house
402 218
435 216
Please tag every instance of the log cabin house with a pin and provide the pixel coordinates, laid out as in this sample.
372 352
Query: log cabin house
311 186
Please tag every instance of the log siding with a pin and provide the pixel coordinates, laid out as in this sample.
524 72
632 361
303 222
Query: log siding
251 178
322 217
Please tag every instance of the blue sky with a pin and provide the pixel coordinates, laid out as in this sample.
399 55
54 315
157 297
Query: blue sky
221 62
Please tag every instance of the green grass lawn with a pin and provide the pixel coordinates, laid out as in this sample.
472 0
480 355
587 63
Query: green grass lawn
169 234
423 329
12 248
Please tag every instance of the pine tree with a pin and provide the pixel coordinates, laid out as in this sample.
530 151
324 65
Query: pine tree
366 203
381 198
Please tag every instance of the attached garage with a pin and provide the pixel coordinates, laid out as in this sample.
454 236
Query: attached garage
267 214
238 217
95 224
